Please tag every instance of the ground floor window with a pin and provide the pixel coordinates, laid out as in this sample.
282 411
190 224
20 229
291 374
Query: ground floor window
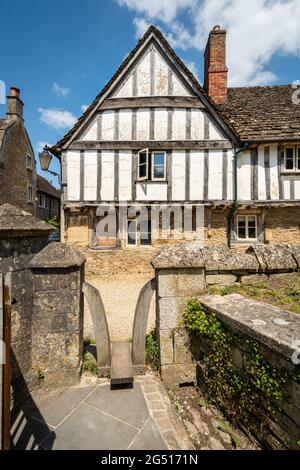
247 227
145 232
139 233
131 232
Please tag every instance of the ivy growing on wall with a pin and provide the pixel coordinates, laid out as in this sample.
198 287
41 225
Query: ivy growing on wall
251 390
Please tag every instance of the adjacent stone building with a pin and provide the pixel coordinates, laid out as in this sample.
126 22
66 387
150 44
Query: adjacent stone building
48 200
17 162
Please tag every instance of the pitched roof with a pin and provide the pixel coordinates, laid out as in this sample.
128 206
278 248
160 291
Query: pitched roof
263 113
45 187
151 30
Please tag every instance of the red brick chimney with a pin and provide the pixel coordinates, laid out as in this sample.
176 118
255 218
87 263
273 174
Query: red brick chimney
14 104
215 72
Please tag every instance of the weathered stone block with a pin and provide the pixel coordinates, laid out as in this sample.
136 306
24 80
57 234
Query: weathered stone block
179 374
220 279
56 280
254 279
183 353
56 302
168 313
49 324
166 347
191 282
167 283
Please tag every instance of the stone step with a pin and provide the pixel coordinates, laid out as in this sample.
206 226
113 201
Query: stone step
121 363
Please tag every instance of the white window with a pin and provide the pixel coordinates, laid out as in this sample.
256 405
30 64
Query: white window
247 227
30 194
145 232
42 200
292 158
131 232
143 165
158 166
29 162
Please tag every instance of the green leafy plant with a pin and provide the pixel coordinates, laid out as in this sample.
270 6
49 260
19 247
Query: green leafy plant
240 393
152 351
88 364
54 222
227 430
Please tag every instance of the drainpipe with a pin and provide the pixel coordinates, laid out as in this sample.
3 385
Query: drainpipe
235 190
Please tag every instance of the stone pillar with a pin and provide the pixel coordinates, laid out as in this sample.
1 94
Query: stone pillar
57 318
180 276
22 236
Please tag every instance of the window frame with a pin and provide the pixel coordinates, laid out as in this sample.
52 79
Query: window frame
30 188
29 167
146 177
158 152
132 245
149 232
40 205
296 159
246 216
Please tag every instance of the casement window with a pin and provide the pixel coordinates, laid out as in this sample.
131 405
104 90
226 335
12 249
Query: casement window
42 200
292 159
28 162
143 165
138 233
151 166
158 166
145 232
246 227
30 194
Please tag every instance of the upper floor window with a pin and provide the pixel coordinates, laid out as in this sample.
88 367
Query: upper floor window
151 166
247 227
29 161
292 158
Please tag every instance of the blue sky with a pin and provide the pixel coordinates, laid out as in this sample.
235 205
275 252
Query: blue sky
60 53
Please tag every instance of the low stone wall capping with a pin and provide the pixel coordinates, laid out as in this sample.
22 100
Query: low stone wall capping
182 273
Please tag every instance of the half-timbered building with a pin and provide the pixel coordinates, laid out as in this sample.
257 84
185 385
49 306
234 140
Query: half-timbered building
155 136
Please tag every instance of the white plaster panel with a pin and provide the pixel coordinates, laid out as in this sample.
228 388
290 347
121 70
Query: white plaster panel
161 124
107 173
178 175
244 176
125 90
143 76
214 134
196 176
161 75
91 133
108 124
297 189
261 176
125 175
90 176
73 175
151 192
274 182
286 189
230 164
178 88
125 124
142 124
197 125
179 124
215 166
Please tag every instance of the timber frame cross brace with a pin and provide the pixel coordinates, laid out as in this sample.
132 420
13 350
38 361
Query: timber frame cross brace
120 360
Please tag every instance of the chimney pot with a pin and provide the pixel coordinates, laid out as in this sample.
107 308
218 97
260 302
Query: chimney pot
215 70
15 92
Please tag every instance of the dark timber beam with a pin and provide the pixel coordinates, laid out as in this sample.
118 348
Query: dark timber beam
152 144
152 102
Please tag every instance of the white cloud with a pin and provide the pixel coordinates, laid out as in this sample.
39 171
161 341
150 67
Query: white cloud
84 107
257 30
41 145
57 118
141 26
192 66
60 91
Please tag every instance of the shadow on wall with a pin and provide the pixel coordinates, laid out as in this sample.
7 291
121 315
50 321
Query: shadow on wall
28 427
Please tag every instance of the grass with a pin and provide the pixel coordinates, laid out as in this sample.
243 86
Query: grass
88 361
283 292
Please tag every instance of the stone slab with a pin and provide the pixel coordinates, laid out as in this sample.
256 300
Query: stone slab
148 439
121 363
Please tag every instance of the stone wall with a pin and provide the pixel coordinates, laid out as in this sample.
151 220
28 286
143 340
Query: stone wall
182 273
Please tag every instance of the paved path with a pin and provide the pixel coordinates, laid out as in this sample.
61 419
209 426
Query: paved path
94 417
